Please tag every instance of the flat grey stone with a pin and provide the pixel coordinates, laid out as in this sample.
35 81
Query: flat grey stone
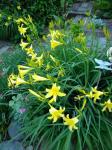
81 8
76 6
4 43
99 42
86 6
14 131
4 49
102 42
4 46
7 145
99 33
81 17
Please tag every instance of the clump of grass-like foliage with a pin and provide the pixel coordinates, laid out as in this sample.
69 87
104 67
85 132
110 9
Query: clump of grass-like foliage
64 98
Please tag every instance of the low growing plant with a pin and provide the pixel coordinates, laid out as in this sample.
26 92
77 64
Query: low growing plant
64 89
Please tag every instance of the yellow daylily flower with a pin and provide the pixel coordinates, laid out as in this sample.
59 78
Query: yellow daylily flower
33 56
71 122
55 43
23 70
55 114
82 91
40 60
55 34
48 67
38 78
14 80
29 18
80 38
54 92
53 59
77 49
37 95
56 61
78 97
107 105
23 44
22 30
61 72
20 81
30 50
96 94
90 94
83 105
20 20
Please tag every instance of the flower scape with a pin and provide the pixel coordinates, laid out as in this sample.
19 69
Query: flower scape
61 81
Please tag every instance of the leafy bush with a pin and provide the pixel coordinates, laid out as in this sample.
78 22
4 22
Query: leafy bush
104 8
40 10
8 63
63 97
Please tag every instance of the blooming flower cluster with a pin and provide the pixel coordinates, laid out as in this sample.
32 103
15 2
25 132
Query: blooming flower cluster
93 94
56 114
107 105
38 71
54 92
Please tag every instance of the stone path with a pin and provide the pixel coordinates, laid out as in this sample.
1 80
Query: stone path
80 8
79 12
14 143
5 46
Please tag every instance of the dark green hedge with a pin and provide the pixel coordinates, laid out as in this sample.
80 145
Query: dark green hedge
104 8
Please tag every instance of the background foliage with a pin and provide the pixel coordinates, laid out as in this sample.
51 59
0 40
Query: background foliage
40 10
103 8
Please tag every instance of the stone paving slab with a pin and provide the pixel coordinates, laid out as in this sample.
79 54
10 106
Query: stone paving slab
108 23
99 43
7 145
80 8
80 17
75 6
99 31
85 7
5 46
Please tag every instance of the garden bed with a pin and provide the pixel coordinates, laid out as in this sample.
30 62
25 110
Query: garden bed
56 90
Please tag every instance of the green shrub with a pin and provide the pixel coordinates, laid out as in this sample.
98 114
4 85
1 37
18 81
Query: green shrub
104 7
63 94
9 61
40 10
